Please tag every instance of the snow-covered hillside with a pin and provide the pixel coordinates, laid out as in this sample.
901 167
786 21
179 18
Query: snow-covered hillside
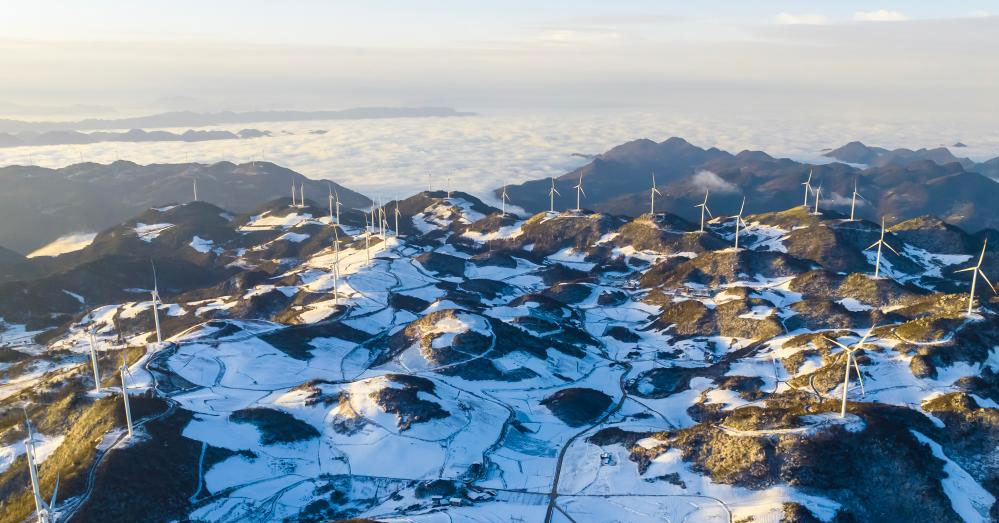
563 367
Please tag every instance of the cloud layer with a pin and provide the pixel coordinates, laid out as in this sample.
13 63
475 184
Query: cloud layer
392 157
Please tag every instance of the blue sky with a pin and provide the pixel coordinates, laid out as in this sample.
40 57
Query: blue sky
893 57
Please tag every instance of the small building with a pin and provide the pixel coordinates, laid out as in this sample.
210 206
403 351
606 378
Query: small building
606 458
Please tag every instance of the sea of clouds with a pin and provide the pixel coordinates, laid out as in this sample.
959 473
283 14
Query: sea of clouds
392 157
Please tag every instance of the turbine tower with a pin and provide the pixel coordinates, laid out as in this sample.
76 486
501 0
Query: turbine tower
156 302
93 363
195 180
704 209
850 358
853 201
654 192
301 196
881 243
579 192
739 222
975 272
818 191
808 187
42 509
124 394
293 193
551 197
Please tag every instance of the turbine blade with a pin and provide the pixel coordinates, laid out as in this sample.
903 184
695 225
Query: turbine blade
837 343
966 270
708 211
891 249
993 287
873 245
55 491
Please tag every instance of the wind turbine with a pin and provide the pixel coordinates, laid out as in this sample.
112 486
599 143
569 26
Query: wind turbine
739 222
849 358
818 191
579 192
124 393
853 201
293 193
195 180
42 509
881 242
367 240
331 202
156 302
448 187
808 186
654 192
975 272
551 197
336 265
301 196
704 209
93 363
338 204
397 213
503 199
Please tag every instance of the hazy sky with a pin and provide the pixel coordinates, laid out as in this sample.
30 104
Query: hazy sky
933 60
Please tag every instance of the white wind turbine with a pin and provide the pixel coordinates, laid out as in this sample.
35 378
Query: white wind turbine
336 266
367 240
301 195
704 209
551 197
336 194
448 186
43 510
975 272
849 358
195 180
853 201
397 213
155 293
293 188
331 203
383 218
124 393
503 200
808 187
654 192
881 243
93 362
818 191
579 192
739 222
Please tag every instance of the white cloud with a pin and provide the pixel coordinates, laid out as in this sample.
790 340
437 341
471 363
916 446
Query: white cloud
391 157
801 19
707 180
881 15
